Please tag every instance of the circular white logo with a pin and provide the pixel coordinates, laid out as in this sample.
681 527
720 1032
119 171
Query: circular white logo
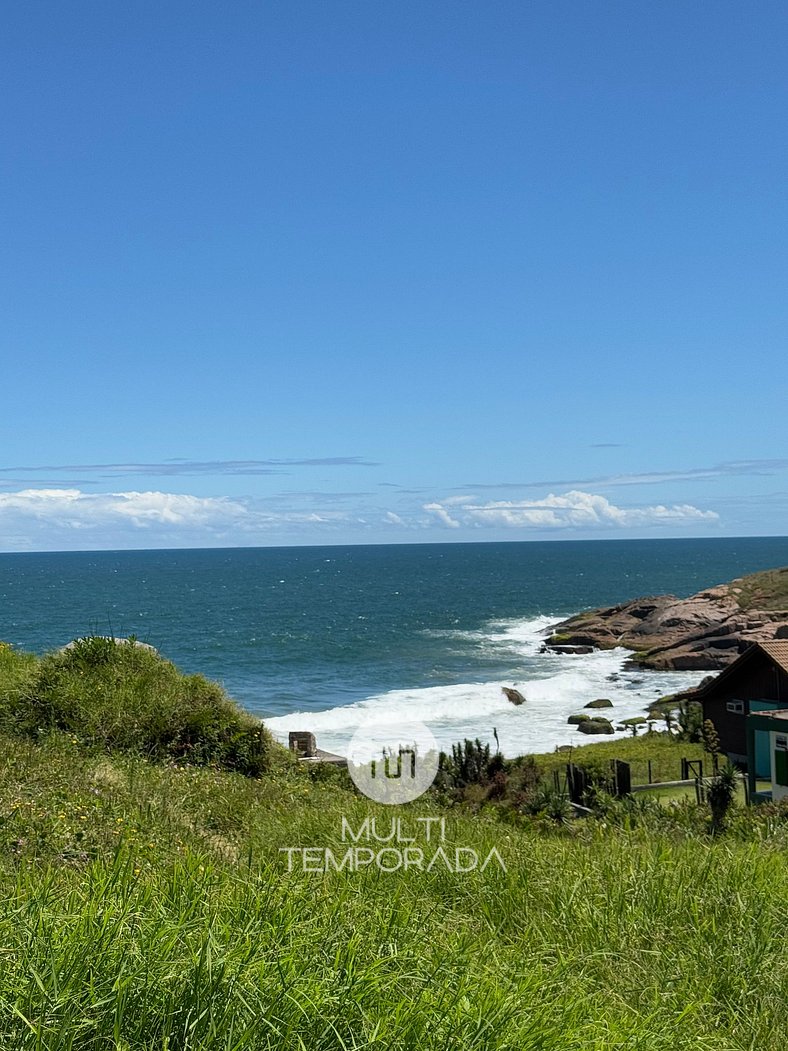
393 762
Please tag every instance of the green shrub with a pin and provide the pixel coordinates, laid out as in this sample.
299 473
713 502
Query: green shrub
17 671
711 741
547 801
123 696
470 763
690 721
721 795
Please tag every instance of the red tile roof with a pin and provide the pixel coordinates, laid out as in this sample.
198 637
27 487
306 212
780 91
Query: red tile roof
777 649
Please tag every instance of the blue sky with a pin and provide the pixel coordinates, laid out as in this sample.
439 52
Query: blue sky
344 272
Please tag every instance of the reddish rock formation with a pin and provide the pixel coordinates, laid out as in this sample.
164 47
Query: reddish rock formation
704 631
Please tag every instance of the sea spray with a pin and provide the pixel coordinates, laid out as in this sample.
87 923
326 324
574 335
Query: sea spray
556 686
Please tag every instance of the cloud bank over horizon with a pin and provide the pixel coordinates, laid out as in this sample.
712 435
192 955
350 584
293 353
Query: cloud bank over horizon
50 519
573 510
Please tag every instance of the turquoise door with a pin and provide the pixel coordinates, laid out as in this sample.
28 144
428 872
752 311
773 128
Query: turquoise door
763 757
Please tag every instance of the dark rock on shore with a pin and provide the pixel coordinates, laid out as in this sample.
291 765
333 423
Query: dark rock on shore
602 702
595 726
705 631
585 648
513 695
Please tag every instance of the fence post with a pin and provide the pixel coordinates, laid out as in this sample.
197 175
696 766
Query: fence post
649 771
622 777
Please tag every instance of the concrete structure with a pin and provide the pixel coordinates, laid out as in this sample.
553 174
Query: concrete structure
303 743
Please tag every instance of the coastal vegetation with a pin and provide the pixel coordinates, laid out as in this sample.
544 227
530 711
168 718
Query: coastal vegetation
123 696
767 590
148 903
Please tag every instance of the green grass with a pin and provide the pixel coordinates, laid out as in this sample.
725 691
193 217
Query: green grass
767 590
664 751
687 793
125 697
182 929
17 673
145 905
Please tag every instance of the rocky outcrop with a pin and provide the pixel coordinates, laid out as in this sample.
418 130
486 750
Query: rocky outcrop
513 695
705 631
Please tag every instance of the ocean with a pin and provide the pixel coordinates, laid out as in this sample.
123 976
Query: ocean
323 638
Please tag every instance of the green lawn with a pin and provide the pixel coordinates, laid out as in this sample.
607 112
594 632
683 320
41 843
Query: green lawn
665 753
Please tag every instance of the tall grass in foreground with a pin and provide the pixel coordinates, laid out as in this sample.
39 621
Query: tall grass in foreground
647 949
179 926
145 904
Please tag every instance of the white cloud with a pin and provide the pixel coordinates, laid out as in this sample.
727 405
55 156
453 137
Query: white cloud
572 510
71 519
75 509
47 518
442 515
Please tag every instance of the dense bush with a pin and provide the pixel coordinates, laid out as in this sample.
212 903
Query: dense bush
126 697
470 763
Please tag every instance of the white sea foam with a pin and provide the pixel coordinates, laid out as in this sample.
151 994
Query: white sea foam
555 687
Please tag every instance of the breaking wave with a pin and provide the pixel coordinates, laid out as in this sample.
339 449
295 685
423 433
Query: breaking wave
555 686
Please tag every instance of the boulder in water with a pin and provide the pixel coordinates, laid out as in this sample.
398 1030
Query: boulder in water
513 695
596 726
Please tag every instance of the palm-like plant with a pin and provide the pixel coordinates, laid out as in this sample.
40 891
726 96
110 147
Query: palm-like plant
720 793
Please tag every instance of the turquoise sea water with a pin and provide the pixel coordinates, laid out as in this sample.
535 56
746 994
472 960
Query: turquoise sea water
321 637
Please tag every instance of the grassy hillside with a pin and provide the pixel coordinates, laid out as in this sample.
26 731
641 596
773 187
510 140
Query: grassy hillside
766 591
126 697
147 904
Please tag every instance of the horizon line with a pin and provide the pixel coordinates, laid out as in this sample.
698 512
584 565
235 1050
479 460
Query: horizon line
398 543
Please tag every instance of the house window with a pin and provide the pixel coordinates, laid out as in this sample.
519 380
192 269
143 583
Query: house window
735 706
781 743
